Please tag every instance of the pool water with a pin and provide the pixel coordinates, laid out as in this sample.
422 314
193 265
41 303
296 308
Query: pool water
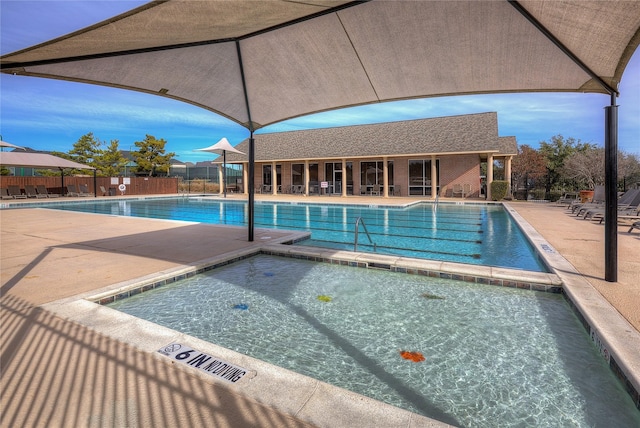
470 233
493 356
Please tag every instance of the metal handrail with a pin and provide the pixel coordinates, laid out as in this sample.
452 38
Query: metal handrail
355 242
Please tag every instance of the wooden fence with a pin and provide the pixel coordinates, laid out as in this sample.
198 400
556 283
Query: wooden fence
137 186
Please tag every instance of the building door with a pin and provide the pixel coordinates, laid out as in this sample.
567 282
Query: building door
333 174
337 180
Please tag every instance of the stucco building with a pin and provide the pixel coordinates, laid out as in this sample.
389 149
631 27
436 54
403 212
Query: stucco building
422 158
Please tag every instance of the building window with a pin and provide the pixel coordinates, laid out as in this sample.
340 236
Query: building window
266 174
297 174
420 177
372 173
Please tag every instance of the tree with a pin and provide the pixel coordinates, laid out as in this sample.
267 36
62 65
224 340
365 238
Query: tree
555 153
151 158
111 162
86 150
628 169
586 168
529 166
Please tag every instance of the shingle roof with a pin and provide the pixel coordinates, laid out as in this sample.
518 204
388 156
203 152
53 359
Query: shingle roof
451 134
508 145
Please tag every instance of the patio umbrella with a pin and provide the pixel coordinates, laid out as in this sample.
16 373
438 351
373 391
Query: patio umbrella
5 144
223 146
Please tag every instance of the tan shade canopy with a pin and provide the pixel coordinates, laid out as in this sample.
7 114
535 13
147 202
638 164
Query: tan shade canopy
38 160
9 145
260 62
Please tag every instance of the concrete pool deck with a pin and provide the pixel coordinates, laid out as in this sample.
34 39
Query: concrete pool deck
65 363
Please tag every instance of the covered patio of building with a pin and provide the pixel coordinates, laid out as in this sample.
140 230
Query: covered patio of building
445 156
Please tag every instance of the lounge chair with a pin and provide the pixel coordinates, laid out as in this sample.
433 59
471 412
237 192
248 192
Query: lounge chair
567 199
578 207
635 225
15 192
71 190
629 201
44 193
103 191
5 194
84 190
31 191
630 214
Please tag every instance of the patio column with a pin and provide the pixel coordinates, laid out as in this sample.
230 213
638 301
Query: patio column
306 178
385 177
489 174
220 179
245 178
274 179
434 178
344 178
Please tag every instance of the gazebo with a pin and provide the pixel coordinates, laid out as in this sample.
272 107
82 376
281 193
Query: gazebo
44 161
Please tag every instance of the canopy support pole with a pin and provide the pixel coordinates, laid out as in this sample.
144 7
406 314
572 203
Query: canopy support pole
251 184
95 183
610 150
611 191
224 172
251 154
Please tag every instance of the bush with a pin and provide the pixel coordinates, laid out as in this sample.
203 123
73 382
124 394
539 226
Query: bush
539 194
499 190
555 195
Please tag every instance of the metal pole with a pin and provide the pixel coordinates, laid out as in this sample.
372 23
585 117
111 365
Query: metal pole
251 184
224 172
251 145
611 191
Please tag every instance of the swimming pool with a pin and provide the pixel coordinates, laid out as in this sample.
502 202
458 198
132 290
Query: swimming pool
493 356
478 234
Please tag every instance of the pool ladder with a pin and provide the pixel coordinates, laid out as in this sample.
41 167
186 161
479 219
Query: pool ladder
355 242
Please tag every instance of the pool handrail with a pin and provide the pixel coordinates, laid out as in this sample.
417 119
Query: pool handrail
355 241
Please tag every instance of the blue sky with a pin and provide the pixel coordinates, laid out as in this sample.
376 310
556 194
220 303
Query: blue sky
52 115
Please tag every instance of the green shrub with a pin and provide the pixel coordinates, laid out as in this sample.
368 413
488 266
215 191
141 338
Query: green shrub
539 194
499 190
555 195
